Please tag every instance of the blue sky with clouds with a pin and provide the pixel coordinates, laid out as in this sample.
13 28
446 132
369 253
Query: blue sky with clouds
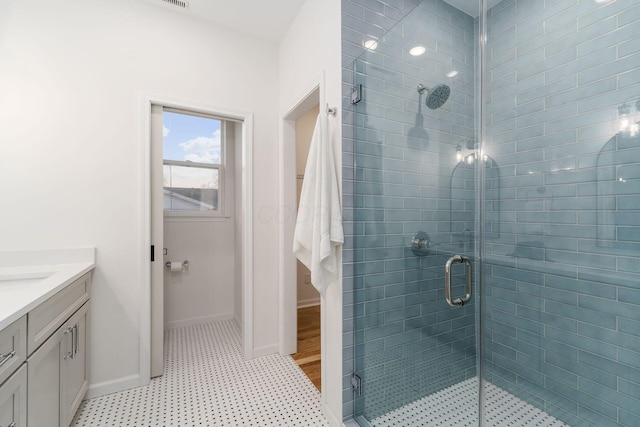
191 138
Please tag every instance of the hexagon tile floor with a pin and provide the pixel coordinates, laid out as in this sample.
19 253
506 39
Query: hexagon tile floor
208 383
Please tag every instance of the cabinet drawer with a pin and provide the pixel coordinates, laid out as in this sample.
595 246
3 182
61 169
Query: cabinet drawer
51 314
13 347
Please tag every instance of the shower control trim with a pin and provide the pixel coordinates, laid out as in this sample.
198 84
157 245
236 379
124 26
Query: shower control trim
420 244
457 302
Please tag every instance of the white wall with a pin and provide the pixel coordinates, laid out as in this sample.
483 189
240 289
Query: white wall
205 291
72 82
313 45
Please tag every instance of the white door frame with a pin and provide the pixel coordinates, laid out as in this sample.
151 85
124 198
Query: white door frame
246 217
314 95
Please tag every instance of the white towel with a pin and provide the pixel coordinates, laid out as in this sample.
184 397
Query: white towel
318 235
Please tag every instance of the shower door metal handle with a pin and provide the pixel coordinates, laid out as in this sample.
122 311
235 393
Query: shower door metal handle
457 259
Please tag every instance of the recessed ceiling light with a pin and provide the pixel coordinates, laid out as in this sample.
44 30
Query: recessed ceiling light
371 44
417 51
451 74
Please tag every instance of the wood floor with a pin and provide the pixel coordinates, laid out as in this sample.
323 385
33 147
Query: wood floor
308 355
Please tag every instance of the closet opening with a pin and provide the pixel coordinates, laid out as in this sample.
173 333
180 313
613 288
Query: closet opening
308 355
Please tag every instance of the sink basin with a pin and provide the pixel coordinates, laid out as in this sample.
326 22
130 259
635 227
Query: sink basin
24 278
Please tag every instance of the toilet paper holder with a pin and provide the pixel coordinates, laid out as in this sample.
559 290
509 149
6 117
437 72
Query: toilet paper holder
185 264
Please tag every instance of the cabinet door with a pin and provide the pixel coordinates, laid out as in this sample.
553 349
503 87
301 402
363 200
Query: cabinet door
73 365
43 381
13 400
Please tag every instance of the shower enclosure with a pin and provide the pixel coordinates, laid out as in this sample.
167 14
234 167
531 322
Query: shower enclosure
496 216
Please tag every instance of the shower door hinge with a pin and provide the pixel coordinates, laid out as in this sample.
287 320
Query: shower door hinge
356 383
356 94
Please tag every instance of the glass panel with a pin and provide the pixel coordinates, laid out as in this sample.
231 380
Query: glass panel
190 188
561 313
413 350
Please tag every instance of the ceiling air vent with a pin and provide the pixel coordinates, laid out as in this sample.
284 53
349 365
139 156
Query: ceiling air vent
178 3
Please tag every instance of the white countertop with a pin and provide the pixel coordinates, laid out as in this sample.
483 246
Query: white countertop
28 278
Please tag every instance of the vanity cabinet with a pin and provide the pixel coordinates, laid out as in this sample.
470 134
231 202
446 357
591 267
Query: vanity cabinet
43 360
44 328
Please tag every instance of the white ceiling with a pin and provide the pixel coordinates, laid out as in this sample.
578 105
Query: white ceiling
268 20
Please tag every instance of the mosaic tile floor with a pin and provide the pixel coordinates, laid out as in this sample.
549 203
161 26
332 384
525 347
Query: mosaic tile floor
456 406
208 383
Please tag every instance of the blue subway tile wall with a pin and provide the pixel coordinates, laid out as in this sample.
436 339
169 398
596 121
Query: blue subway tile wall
561 283
407 176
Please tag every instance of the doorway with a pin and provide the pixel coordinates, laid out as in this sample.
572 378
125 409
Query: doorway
301 317
308 354
228 206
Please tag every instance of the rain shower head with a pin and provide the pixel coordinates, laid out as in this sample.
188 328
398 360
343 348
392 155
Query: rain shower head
436 96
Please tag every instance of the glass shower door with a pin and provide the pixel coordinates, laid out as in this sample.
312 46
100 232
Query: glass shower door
561 282
416 160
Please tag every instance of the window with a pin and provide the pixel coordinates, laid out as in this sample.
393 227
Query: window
193 164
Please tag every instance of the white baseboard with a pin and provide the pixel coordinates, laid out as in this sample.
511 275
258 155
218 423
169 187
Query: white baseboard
308 302
265 350
113 386
238 322
197 320
330 416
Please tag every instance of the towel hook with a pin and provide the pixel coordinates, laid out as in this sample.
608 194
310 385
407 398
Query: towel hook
332 110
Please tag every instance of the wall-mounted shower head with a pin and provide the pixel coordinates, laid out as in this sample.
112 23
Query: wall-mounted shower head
436 96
